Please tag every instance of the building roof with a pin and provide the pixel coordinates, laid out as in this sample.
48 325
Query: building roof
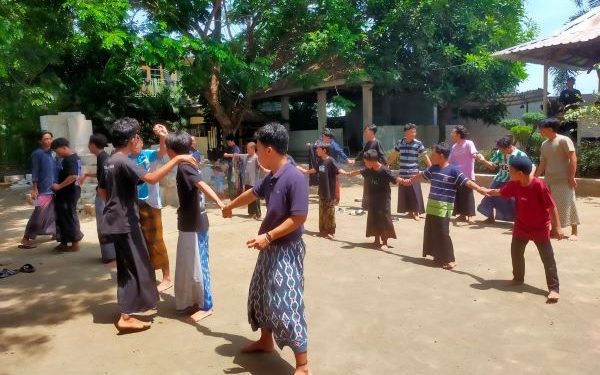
519 98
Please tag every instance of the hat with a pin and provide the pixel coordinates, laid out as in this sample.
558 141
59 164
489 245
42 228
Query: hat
522 164
327 132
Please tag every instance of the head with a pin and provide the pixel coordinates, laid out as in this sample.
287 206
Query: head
61 146
125 135
549 127
193 142
520 169
370 131
440 154
327 135
178 143
570 82
271 144
371 159
97 143
410 132
251 148
230 140
45 139
505 145
323 150
458 133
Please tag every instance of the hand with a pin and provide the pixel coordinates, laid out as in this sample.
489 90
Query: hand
351 161
259 242
160 130
34 194
221 205
187 159
557 233
407 182
81 180
55 187
572 182
227 212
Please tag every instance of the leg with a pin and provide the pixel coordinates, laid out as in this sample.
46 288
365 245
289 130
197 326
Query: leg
264 344
573 236
301 363
322 213
517 254
128 323
547 255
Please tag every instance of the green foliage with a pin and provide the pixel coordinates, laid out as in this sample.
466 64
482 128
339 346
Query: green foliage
521 134
509 123
480 167
533 118
588 114
588 159
534 145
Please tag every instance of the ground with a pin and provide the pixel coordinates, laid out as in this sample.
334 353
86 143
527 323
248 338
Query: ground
369 312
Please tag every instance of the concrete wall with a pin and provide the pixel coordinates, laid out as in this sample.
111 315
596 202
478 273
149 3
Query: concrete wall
299 139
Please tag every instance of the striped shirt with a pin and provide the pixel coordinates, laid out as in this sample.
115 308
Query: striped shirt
444 183
503 163
410 153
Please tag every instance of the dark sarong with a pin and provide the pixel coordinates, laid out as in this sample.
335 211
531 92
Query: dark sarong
436 239
464 204
151 223
379 218
43 218
107 248
67 220
505 208
410 199
254 207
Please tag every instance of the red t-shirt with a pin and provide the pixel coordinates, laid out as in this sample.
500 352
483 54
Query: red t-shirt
533 205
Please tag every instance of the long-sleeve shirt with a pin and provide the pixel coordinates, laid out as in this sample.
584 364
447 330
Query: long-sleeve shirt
44 170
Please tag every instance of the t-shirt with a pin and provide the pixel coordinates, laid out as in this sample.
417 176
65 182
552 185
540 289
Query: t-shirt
570 96
100 160
503 163
191 214
444 183
70 166
533 204
328 171
555 153
373 145
410 153
149 193
378 183
251 169
44 170
462 156
286 194
121 177
231 150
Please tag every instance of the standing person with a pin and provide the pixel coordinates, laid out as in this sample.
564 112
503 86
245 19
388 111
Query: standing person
231 149
194 151
463 156
136 281
276 297
338 154
505 208
96 146
250 171
410 149
535 212
377 182
372 144
150 205
570 95
558 164
193 291
67 192
445 180
43 175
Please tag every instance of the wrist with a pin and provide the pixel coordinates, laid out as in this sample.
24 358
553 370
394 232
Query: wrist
269 238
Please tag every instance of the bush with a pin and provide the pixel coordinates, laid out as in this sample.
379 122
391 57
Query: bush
533 118
521 133
509 123
533 147
588 159
479 166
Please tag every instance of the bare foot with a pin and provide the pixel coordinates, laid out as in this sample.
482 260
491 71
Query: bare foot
553 297
573 237
164 285
415 216
200 314
71 249
329 236
384 247
259 347
302 370
131 324
449 265
111 264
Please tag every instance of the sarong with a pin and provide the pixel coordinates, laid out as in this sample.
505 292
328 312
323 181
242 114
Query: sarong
107 249
276 296
192 272
505 208
67 219
379 219
436 239
565 200
43 218
464 204
326 216
136 282
410 199
151 223
254 207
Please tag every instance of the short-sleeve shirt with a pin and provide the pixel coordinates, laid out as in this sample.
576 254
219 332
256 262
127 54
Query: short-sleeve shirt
462 156
70 166
503 163
191 215
556 154
286 194
444 183
44 170
373 145
378 182
231 150
121 177
100 160
410 153
570 96
251 169
328 171
533 204
149 193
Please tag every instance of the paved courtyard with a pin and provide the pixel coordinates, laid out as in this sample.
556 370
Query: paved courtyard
369 312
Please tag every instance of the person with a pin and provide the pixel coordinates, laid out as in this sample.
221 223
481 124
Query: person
535 211
570 95
338 155
218 173
96 146
136 280
193 292
231 149
370 132
445 179
377 182
500 160
67 192
250 171
197 155
150 205
463 156
558 164
276 297
43 175
411 150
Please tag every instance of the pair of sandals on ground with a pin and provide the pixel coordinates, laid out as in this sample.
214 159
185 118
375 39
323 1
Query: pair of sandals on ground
6 272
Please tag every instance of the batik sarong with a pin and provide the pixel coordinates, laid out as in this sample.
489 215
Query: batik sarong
43 218
565 200
107 248
504 208
151 223
436 239
410 199
326 216
192 272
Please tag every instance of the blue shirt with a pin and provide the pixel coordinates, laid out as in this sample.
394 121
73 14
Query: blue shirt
410 153
149 193
444 183
338 153
44 170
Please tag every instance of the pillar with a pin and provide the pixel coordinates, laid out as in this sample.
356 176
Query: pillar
322 109
285 111
367 104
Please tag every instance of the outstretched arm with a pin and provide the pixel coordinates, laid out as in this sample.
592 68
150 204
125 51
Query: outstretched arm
472 185
160 173
349 174
243 199
210 193
161 131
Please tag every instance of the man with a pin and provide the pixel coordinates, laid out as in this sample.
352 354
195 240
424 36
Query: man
372 144
43 175
197 155
231 149
558 163
337 153
570 95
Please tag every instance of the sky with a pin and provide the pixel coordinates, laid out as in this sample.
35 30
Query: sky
549 16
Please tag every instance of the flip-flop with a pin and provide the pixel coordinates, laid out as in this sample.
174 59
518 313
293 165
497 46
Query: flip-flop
5 272
26 246
27 268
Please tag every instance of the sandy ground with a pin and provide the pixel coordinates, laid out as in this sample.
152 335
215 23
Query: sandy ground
369 312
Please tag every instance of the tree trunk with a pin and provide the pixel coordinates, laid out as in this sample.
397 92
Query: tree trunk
212 97
444 116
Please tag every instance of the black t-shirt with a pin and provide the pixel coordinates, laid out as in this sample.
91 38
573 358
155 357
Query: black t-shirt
373 145
100 160
570 96
121 177
328 171
191 216
70 166
379 182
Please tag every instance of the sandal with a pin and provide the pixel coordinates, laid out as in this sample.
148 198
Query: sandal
27 246
27 268
5 272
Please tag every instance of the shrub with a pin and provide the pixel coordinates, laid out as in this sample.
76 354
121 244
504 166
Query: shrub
521 133
588 159
533 118
533 147
509 123
480 167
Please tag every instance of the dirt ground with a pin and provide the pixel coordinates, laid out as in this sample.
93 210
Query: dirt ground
369 312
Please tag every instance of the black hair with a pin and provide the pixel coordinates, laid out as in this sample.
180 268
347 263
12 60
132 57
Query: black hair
123 130
372 127
371 155
551 122
274 135
461 131
326 147
43 133
98 140
180 142
442 149
230 137
409 126
504 142
59 142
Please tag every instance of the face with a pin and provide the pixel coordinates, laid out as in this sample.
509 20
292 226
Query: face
454 136
193 142
411 134
46 141
506 150
62 152
321 152
515 175
265 155
369 134
546 132
326 139
230 143
137 145
570 83
370 164
250 150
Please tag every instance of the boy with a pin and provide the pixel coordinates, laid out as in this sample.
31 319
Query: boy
378 193
192 274
67 192
136 291
231 149
445 180
372 143
535 211
250 171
